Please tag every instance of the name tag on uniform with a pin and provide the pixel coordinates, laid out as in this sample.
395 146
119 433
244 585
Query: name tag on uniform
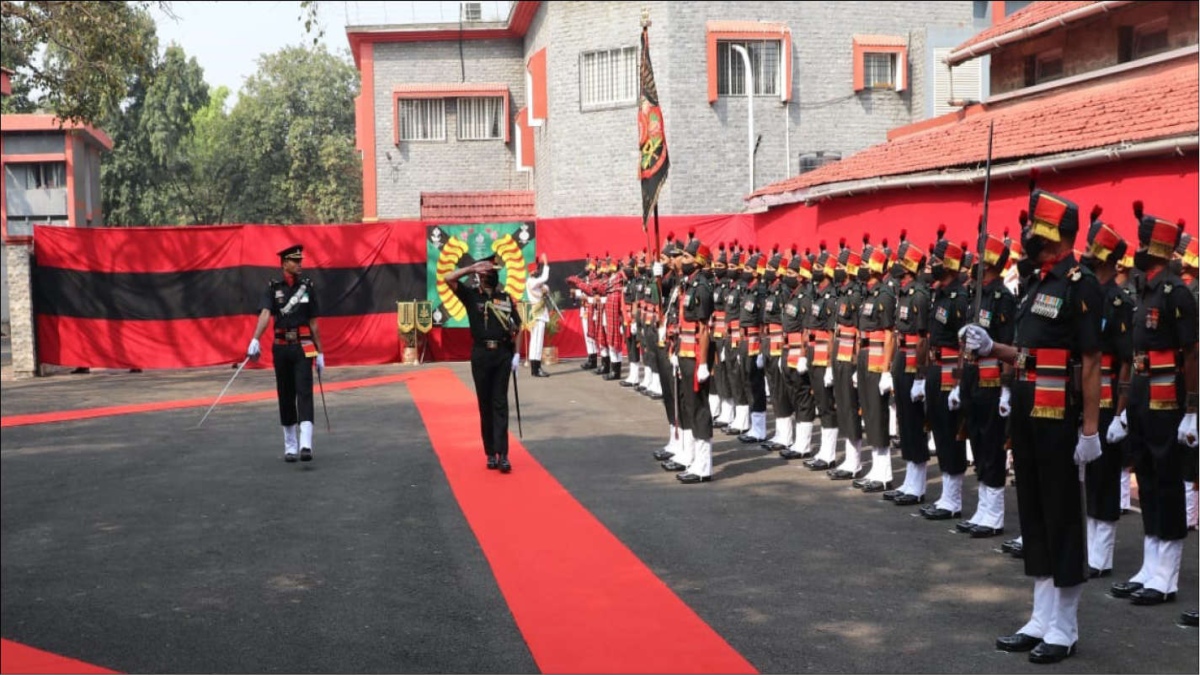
985 318
1047 306
868 309
942 315
1152 318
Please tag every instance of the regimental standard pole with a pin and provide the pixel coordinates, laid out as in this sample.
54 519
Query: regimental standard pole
749 106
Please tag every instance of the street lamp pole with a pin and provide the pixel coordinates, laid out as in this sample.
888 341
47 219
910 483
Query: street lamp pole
749 106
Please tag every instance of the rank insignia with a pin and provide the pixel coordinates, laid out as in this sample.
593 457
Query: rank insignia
1167 288
996 295
1116 302
1047 306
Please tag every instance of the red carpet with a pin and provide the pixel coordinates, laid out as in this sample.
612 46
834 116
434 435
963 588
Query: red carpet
18 658
582 600
108 411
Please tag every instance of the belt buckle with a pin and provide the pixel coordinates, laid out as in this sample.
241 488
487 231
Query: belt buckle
1022 357
291 335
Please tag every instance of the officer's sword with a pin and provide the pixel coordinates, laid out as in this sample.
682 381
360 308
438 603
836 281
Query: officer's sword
214 403
321 387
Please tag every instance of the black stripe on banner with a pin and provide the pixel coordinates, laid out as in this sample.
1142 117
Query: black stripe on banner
218 292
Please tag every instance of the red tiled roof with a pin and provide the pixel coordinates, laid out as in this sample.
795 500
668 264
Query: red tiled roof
1027 17
881 40
478 207
1160 101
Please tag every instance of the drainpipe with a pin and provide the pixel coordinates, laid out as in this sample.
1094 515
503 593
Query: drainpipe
749 106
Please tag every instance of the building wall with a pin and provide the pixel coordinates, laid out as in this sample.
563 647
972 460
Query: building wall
1093 45
404 171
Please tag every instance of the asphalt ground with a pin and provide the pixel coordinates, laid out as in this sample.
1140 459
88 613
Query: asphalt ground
142 544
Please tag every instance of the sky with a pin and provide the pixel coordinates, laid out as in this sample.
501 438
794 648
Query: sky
226 38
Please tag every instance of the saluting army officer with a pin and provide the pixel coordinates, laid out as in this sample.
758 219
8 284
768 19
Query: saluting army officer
292 302
495 323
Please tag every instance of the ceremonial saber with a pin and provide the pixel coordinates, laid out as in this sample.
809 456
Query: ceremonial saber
214 403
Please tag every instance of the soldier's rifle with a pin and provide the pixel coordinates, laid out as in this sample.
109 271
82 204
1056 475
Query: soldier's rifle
977 301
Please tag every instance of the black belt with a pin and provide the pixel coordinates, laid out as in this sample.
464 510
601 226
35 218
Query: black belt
290 337
492 344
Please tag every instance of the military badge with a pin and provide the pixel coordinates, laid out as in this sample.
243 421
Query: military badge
1047 306
985 318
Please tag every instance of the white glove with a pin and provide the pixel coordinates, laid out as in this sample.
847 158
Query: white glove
854 379
885 383
1118 429
675 360
1087 449
976 338
702 372
802 365
917 393
1005 406
254 350
656 269
320 363
516 362
955 401
759 360
1187 430
828 376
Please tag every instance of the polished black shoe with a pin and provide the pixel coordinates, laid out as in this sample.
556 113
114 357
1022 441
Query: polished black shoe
906 499
818 464
1094 573
859 483
747 438
671 465
876 486
1189 618
984 532
1017 642
717 424
655 396
505 467
842 474
1124 589
772 447
891 495
663 455
964 526
1008 546
941 514
1018 552
305 454
493 462
788 453
692 478
590 364
1048 653
536 369
289 457
1149 596
626 383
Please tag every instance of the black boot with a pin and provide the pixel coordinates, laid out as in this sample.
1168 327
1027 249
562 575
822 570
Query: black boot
602 367
615 372
536 367
590 364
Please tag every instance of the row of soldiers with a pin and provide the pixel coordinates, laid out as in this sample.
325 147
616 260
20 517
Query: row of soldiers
1080 364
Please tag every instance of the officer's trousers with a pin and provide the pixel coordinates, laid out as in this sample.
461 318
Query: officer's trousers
848 420
293 384
1160 463
1104 475
490 369
693 401
951 452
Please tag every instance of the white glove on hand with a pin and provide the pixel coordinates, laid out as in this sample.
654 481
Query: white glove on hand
674 360
976 338
854 379
656 269
320 363
1087 449
885 383
828 376
759 360
254 350
917 393
702 372
1005 406
802 365
955 400
516 362
1118 429
1187 430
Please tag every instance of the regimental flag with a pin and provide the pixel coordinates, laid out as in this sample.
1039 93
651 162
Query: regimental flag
652 140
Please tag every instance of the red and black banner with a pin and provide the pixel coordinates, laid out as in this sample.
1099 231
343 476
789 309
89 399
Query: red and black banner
652 139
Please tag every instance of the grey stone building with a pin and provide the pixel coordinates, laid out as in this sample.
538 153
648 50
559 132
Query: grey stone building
543 102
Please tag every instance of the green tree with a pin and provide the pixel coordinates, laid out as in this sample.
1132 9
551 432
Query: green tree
293 127
90 53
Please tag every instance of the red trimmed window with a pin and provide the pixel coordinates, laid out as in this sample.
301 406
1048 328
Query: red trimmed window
880 62
420 112
535 88
769 46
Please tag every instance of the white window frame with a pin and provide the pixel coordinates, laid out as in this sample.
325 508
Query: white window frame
429 123
731 80
608 78
472 117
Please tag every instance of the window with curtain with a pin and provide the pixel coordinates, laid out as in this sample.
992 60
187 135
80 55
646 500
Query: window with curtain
879 70
764 63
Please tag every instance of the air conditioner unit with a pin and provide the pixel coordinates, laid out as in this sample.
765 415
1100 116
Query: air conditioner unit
818 159
472 11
